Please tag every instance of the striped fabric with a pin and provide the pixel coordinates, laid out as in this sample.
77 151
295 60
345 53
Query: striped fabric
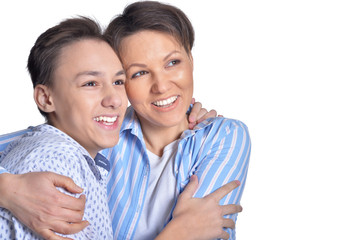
217 151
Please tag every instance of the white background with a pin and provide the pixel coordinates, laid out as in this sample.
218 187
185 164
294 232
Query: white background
289 69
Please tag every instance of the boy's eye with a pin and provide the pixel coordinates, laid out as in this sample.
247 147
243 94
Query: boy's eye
90 84
138 74
119 82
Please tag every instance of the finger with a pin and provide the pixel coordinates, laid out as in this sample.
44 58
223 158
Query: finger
219 115
67 215
224 235
231 209
202 112
228 223
191 188
224 190
210 114
69 228
194 112
69 202
191 125
65 182
50 235
193 101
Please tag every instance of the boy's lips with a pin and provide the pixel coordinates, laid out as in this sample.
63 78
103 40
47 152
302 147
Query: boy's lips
106 120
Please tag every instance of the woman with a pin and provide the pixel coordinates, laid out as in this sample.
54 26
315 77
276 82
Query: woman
154 41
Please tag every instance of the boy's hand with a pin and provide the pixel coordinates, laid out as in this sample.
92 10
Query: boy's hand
198 114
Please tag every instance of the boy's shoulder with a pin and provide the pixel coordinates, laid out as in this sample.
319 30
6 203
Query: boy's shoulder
43 141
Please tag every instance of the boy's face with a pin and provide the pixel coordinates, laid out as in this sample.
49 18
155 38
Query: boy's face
88 94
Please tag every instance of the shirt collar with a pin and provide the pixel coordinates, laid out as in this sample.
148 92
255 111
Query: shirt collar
131 123
99 160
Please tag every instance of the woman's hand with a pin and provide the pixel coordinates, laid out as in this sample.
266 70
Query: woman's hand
34 200
201 218
198 114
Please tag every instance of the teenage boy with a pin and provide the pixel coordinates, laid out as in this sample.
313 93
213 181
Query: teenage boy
79 87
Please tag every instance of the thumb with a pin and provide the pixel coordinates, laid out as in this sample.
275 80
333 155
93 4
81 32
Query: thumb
190 188
65 182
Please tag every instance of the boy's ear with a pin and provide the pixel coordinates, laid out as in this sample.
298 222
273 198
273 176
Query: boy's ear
43 98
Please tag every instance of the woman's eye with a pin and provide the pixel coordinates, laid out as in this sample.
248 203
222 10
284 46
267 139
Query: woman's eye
90 84
119 82
138 74
172 63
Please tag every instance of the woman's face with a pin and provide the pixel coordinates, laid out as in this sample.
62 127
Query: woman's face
159 78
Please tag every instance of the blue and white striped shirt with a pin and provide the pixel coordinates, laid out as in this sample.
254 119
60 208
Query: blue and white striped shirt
216 150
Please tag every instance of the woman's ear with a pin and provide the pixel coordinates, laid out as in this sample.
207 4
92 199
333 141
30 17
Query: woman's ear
43 98
191 59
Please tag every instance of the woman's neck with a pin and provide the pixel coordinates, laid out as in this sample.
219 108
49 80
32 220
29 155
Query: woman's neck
157 138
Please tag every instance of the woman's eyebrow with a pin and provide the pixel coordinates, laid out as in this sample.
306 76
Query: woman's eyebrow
136 65
170 54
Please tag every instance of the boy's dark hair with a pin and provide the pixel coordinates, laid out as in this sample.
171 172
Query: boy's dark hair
44 55
150 15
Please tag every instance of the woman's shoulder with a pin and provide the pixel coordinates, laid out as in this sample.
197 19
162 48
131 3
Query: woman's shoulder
222 124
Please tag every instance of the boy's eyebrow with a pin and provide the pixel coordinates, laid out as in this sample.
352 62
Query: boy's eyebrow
121 72
97 73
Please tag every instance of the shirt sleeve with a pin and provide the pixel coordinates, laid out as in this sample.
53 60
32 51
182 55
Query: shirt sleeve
6 139
3 170
225 157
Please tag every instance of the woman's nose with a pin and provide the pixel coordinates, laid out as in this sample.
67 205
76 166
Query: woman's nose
160 83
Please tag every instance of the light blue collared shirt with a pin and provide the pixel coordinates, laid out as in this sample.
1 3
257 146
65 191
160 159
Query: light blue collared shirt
45 148
217 151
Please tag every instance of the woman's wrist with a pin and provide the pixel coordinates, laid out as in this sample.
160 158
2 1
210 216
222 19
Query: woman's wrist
5 184
175 230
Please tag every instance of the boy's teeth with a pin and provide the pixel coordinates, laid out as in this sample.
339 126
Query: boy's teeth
165 102
105 119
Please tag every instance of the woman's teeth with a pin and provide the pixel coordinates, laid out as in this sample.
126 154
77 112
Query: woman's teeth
166 102
106 120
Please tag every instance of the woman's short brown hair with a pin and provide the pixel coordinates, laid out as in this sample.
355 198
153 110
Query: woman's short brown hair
150 15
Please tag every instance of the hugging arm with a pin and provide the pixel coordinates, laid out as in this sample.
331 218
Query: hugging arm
200 218
33 199
225 158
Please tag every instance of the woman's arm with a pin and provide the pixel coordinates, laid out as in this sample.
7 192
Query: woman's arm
224 156
200 218
34 200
